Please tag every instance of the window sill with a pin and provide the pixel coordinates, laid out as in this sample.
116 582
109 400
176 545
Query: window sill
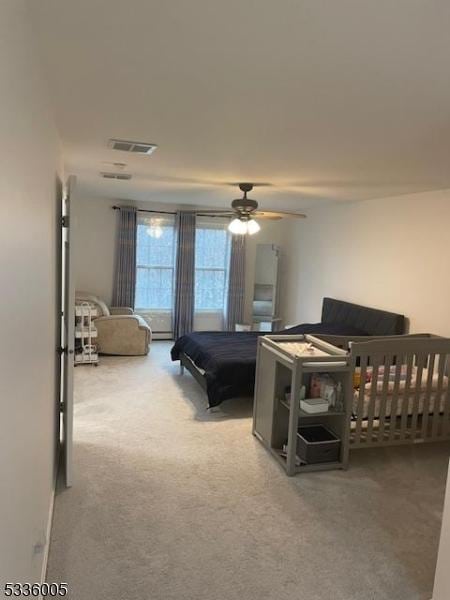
168 311
155 311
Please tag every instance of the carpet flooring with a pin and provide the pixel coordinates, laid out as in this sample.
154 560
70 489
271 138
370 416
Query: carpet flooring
171 502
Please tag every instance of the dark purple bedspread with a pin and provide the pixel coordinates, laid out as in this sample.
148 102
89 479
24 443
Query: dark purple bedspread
229 358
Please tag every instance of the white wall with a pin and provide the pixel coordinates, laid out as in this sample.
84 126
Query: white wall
392 253
28 410
95 226
95 231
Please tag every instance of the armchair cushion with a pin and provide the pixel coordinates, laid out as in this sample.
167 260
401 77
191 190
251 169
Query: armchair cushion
124 335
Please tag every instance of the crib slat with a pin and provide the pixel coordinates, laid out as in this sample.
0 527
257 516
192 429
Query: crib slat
376 361
383 397
360 409
427 399
394 400
446 424
406 395
420 359
422 404
436 419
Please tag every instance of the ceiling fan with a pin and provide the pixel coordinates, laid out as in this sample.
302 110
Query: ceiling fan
244 210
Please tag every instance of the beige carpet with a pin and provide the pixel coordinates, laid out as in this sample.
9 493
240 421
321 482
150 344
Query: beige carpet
173 503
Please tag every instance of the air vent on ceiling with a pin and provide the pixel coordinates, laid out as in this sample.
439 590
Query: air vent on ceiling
122 176
120 166
128 146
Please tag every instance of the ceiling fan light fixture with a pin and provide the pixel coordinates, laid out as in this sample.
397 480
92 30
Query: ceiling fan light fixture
155 230
253 227
237 226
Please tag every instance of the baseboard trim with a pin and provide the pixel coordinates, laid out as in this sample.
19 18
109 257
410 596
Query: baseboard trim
162 336
51 509
48 535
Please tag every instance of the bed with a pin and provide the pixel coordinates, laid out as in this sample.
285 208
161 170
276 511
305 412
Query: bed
224 363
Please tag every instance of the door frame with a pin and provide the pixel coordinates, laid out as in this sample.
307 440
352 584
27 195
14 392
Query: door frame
68 329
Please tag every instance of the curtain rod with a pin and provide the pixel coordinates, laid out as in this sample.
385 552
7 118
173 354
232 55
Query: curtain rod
168 212
161 212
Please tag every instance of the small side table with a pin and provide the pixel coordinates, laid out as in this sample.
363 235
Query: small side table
242 327
268 324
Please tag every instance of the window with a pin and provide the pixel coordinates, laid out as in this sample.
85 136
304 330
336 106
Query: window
155 261
212 248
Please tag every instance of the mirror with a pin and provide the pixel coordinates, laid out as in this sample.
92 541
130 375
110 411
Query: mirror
265 290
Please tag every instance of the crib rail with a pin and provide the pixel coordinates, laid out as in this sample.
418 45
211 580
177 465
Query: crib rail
402 393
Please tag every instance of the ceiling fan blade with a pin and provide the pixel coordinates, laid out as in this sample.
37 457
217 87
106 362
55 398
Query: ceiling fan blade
266 217
217 213
278 213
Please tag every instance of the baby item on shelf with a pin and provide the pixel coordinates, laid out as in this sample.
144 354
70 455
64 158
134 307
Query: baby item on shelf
308 405
314 390
314 405
287 393
328 393
323 386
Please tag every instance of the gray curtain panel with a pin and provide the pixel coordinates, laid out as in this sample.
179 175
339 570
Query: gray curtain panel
183 321
236 284
125 267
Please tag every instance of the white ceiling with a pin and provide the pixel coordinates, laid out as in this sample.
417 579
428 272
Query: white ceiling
324 99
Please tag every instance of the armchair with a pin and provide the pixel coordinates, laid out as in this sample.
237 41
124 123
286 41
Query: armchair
119 330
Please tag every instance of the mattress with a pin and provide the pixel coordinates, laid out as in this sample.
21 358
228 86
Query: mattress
430 401
434 398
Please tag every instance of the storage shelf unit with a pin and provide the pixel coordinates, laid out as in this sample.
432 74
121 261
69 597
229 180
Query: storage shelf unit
85 332
81 333
281 364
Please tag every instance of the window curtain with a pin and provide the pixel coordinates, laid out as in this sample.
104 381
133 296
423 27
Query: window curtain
236 284
125 266
183 318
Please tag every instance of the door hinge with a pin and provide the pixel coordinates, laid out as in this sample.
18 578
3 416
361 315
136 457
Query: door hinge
62 407
64 350
65 221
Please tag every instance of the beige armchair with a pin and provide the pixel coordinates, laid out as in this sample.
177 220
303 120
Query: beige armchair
119 330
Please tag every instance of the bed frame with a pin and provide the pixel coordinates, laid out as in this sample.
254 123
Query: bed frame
186 362
423 403
371 320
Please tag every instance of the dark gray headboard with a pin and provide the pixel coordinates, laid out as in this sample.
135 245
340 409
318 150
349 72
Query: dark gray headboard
371 320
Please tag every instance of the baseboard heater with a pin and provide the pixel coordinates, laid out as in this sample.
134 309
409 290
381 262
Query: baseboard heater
162 335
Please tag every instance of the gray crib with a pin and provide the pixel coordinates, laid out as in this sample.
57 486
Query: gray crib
402 392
